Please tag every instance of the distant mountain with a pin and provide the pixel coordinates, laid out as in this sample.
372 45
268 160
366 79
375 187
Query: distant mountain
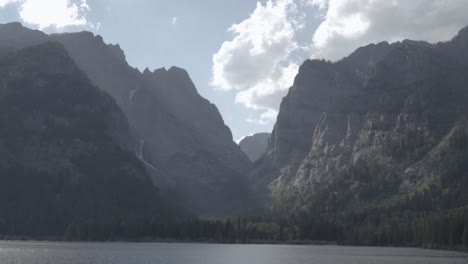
179 136
377 129
255 145
67 165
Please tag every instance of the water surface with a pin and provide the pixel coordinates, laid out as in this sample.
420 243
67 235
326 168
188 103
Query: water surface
149 253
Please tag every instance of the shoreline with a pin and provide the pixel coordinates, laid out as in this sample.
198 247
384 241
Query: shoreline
269 243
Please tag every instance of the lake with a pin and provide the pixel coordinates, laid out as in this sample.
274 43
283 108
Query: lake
160 253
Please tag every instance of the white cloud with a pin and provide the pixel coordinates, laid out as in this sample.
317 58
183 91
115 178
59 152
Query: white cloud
256 62
266 117
349 24
3 3
265 96
174 20
51 13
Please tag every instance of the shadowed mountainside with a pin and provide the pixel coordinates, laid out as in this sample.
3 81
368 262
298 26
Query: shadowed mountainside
179 136
67 160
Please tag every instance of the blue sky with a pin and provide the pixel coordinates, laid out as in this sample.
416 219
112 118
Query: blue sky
241 54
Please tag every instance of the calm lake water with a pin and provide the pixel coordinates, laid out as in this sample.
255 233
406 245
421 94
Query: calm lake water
149 253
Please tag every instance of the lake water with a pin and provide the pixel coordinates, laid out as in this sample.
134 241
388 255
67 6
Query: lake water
149 253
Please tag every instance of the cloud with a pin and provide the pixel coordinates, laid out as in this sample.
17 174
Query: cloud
320 4
265 96
256 62
349 24
51 13
174 20
266 117
3 3
259 61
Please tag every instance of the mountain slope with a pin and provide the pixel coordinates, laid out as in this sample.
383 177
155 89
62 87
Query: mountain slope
67 162
255 145
363 131
181 136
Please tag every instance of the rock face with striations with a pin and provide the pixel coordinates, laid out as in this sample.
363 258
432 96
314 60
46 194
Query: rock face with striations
368 127
254 145
179 136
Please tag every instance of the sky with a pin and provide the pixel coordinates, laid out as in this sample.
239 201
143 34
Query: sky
242 55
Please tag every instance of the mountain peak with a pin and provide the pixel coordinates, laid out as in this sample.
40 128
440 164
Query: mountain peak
255 145
463 31
91 41
14 36
157 71
413 43
315 63
12 25
177 69
162 69
462 34
17 28
179 73
146 71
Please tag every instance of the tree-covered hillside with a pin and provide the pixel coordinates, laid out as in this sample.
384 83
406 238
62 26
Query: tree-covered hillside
66 162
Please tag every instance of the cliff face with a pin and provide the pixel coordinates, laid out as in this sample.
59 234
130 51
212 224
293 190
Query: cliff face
385 108
67 157
179 135
203 167
254 146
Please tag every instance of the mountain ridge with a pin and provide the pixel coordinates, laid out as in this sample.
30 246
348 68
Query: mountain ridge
67 165
361 108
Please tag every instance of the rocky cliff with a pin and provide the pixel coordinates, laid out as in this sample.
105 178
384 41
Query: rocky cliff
368 127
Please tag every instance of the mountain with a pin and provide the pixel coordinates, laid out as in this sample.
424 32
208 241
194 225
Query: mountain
179 135
14 36
67 166
254 145
381 128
